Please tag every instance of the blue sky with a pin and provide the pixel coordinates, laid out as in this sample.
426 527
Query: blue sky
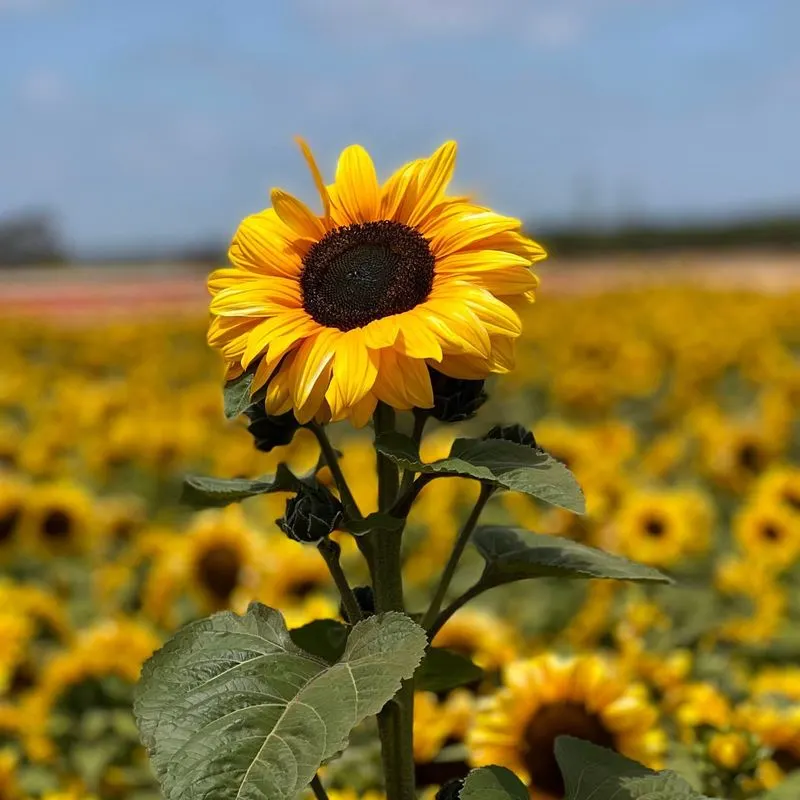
167 120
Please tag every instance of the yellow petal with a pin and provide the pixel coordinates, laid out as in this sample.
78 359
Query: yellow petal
259 298
362 411
469 261
263 244
403 382
416 339
221 279
278 399
516 280
316 175
297 216
495 315
465 330
357 189
355 367
278 333
399 193
433 180
466 367
312 358
312 407
382 333
466 230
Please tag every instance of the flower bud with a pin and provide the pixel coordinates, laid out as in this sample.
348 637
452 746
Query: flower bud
366 602
268 431
513 433
311 515
451 790
455 399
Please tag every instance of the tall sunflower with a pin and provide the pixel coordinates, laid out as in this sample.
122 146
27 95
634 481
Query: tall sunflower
337 311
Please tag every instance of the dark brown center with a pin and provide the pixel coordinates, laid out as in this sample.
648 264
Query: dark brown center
359 273
57 525
792 498
770 532
550 722
8 523
655 527
218 571
302 589
751 457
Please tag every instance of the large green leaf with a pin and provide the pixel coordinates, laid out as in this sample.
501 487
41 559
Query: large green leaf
594 773
231 708
236 395
493 783
515 467
202 492
443 669
514 554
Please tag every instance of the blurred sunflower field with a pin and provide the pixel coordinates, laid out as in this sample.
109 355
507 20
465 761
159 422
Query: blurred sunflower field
675 407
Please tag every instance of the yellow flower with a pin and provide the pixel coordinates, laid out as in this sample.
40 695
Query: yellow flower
546 697
729 750
16 631
346 308
431 727
660 527
13 495
777 681
484 637
60 519
768 533
777 726
9 785
781 486
696 704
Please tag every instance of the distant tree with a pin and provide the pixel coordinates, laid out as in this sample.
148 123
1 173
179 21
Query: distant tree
30 238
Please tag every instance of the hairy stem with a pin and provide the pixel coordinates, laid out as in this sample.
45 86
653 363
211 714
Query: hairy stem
420 418
455 557
330 552
395 721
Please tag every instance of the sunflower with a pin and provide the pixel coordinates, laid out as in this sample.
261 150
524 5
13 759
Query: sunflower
60 519
777 726
768 533
660 528
295 574
485 638
340 310
546 697
9 776
780 485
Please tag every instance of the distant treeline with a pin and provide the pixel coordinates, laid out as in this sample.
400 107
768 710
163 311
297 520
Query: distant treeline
772 233
34 238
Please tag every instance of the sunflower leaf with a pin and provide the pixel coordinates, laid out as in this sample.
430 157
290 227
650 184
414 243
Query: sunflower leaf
236 395
202 492
594 773
507 465
493 783
231 708
378 520
514 554
443 669
324 638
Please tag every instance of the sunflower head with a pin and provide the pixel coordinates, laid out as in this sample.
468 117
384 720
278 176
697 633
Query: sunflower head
336 311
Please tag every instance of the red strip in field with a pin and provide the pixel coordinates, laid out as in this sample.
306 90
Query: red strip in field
77 294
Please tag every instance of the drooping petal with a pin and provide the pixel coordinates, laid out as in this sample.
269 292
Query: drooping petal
363 410
259 298
355 367
464 329
316 175
278 399
297 216
357 192
495 316
416 339
312 359
512 281
382 333
403 382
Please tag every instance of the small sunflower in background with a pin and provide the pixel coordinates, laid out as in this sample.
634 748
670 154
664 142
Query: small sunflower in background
780 485
60 519
777 724
340 310
659 528
768 533
546 697
13 498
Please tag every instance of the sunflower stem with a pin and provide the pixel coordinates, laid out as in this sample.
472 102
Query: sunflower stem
458 549
330 552
332 460
318 788
460 601
420 418
395 720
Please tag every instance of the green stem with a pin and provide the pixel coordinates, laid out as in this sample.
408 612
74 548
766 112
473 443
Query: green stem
318 788
420 418
395 720
455 557
330 551
445 615
332 460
